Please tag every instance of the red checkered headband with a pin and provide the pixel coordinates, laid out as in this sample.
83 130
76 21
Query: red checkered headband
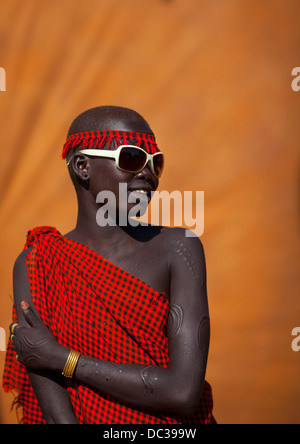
134 152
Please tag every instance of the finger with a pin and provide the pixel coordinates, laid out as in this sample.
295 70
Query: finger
12 327
29 315
17 334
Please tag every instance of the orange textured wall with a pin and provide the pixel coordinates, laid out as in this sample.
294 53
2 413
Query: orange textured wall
213 78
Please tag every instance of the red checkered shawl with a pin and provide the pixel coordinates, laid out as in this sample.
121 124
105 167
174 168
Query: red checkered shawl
97 308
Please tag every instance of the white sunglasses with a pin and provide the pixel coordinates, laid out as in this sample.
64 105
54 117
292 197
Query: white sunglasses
130 158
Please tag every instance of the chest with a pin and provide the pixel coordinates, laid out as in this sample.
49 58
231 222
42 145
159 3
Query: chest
147 264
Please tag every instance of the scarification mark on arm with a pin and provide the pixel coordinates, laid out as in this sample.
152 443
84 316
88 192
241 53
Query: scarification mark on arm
184 253
203 335
146 380
175 320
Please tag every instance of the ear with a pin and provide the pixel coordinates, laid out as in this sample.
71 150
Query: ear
80 166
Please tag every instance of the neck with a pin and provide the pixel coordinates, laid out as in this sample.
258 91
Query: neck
88 232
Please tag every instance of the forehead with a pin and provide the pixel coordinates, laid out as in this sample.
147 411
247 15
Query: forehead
133 126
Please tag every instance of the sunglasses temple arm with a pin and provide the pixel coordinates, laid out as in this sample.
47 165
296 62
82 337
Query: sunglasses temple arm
100 153
93 152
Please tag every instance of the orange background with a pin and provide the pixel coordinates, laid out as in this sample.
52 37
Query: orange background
213 78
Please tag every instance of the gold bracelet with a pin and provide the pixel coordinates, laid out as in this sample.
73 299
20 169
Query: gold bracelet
71 363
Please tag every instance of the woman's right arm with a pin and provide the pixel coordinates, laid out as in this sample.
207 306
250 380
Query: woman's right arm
49 388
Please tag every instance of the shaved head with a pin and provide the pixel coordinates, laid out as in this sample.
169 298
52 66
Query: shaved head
107 118
104 118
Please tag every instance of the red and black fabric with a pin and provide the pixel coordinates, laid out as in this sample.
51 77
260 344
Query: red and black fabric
103 139
97 308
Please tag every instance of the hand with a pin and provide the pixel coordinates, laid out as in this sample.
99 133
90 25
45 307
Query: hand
36 347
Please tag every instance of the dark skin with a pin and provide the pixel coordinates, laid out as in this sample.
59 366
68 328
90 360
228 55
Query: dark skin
165 259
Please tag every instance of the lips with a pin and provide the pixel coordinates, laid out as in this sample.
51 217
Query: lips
141 191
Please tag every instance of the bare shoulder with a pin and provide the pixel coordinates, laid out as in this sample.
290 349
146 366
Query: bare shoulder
187 271
183 245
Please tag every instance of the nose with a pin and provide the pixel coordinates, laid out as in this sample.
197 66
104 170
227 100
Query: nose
146 174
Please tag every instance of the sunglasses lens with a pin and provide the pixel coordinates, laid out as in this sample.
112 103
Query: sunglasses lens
132 159
158 163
